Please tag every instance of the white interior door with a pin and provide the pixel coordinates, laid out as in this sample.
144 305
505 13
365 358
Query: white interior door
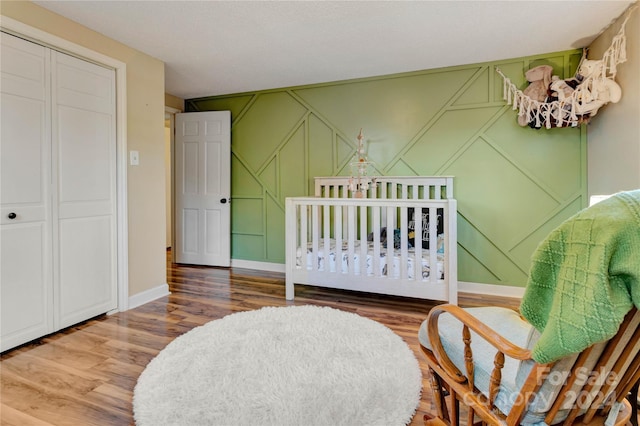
25 209
203 188
84 214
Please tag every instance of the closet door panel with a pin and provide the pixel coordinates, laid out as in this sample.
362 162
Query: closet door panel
84 155
25 208
83 85
26 293
85 268
25 70
25 153
85 177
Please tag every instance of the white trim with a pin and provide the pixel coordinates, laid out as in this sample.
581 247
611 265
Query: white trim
57 43
490 289
261 266
21 29
149 295
170 114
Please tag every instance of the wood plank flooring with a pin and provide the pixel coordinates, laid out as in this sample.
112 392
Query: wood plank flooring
85 375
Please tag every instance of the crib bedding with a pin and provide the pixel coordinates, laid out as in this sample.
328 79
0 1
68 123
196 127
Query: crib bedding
330 262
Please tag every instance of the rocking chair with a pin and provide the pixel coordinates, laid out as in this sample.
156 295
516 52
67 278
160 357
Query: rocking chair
571 355
503 385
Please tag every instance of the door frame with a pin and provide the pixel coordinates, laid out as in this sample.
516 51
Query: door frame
170 114
27 32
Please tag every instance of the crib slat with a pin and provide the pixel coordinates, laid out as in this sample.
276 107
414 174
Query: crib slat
403 242
390 255
433 245
315 225
363 241
326 235
304 233
375 228
338 238
417 243
383 190
351 220
345 221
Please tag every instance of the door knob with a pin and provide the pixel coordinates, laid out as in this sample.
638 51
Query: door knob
12 215
223 200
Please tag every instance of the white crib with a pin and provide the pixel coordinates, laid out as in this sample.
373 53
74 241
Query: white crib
336 241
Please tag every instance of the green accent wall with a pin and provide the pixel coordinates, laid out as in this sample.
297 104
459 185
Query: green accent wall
513 184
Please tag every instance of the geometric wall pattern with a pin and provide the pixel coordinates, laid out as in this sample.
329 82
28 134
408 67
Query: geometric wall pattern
513 184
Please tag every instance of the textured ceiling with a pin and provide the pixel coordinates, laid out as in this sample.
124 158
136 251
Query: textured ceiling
222 47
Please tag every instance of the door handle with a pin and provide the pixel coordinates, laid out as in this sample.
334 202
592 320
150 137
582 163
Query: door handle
12 215
224 200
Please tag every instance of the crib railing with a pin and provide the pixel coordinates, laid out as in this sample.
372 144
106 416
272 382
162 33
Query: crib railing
315 223
395 187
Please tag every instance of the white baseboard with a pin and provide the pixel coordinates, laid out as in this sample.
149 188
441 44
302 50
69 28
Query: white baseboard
490 289
148 295
261 266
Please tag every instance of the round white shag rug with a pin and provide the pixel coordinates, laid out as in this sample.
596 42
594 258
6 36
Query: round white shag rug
297 365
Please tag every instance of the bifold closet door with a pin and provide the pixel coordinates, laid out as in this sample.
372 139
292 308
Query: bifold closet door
84 215
25 206
58 191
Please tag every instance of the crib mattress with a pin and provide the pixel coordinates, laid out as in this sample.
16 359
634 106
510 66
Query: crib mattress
330 262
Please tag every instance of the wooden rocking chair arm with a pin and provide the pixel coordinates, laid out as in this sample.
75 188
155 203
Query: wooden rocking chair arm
491 336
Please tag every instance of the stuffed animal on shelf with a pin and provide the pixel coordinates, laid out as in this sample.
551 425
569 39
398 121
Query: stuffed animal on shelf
539 79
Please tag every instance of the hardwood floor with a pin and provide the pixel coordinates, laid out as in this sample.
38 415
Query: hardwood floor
85 375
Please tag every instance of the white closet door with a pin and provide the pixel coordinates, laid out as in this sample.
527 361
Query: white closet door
25 209
84 214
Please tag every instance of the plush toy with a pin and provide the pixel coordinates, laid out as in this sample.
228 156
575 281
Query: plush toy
560 89
603 88
539 79
596 89
563 92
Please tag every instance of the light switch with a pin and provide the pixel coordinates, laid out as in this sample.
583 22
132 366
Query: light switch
134 158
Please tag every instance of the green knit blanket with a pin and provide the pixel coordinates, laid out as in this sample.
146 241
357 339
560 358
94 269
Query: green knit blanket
584 278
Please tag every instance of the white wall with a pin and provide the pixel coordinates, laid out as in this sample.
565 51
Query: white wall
613 136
